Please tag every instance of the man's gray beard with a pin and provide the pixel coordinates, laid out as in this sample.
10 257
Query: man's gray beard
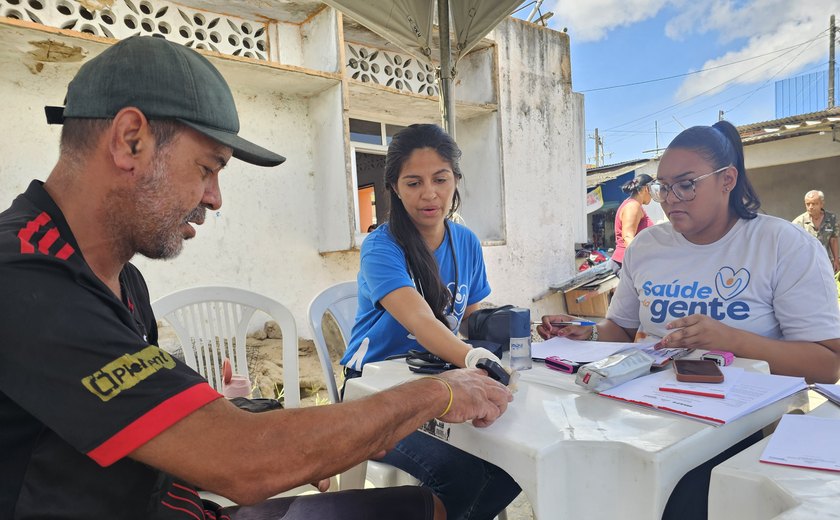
152 232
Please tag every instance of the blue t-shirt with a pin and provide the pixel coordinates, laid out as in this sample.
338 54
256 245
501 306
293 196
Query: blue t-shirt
377 334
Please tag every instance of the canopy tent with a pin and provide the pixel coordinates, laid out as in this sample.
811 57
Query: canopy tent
409 24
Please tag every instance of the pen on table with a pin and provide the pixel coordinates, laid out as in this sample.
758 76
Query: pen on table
585 323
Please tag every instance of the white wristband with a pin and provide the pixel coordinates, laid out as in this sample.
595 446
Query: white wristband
474 355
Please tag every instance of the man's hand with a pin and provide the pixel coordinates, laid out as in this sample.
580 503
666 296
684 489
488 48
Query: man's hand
475 397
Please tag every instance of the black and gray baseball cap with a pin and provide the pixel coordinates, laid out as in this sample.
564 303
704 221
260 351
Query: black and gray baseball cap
164 80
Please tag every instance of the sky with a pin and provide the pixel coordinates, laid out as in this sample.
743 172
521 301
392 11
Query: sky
726 55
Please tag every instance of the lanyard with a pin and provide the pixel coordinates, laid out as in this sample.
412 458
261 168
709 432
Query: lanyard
451 243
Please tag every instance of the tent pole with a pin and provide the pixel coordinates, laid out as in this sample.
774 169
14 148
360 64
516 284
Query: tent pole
445 84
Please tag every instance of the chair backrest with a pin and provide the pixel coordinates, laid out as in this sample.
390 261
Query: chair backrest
211 324
341 302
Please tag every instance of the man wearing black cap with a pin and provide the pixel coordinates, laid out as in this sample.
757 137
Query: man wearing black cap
95 420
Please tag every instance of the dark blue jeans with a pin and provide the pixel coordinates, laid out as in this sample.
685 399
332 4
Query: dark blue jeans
469 487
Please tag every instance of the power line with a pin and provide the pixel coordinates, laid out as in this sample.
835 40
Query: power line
692 72
712 88
768 80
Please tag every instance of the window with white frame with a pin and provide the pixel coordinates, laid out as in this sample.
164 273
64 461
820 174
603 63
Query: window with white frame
368 144
482 207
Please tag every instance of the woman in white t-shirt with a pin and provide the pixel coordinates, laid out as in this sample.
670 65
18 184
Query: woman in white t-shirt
719 275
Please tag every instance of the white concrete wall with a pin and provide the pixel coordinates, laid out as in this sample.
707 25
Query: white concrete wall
792 150
543 164
482 197
29 146
783 171
267 235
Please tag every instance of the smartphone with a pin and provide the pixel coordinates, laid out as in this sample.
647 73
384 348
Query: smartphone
697 371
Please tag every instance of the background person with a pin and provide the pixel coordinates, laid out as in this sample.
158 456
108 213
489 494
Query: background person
630 218
421 276
719 275
95 420
821 224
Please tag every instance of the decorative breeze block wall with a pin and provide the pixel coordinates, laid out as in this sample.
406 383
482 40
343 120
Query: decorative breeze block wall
124 18
400 71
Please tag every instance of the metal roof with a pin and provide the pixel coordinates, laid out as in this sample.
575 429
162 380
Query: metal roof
790 126
602 174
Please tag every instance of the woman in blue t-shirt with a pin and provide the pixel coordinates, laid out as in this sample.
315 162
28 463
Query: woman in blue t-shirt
421 276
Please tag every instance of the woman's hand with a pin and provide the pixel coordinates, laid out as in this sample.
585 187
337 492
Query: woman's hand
697 331
546 330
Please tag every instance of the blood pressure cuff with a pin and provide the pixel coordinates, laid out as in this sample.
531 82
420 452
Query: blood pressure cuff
424 362
491 325
256 405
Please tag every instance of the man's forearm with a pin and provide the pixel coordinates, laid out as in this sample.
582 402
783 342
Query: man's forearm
249 457
331 439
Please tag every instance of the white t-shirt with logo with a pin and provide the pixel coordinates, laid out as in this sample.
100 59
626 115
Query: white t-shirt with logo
764 276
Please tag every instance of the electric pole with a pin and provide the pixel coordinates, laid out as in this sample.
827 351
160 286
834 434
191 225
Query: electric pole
831 32
599 149
656 133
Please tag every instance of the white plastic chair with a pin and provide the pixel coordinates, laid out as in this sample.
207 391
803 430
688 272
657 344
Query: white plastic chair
341 301
211 324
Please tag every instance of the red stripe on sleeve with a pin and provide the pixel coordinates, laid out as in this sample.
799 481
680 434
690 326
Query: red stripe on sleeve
152 423
181 509
47 240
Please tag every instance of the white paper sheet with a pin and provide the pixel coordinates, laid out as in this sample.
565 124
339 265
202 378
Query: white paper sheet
586 351
830 392
579 351
805 441
752 391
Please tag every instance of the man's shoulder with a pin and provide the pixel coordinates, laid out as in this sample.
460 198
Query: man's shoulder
801 219
34 225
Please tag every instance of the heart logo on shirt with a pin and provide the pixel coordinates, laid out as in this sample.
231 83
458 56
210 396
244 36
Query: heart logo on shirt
730 283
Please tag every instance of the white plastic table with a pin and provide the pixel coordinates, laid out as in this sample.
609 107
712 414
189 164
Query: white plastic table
579 455
742 488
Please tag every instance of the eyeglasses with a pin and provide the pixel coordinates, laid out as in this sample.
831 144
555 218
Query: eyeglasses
683 190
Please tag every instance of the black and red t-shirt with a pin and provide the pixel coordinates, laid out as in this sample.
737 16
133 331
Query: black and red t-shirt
82 382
